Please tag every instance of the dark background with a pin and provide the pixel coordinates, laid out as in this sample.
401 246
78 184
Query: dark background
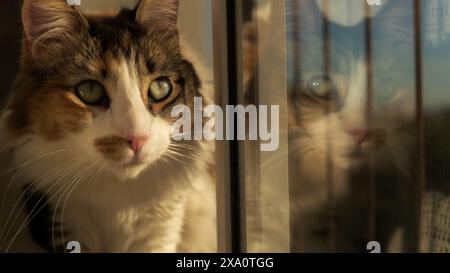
10 44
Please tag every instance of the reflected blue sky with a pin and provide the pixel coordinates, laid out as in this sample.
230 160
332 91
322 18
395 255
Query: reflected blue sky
436 45
436 55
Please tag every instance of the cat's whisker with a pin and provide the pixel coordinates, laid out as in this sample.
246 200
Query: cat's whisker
32 213
67 187
174 150
403 169
176 159
68 195
170 165
96 171
407 170
72 187
183 151
39 177
173 155
34 158
184 145
181 135
7 222
6 232
18 169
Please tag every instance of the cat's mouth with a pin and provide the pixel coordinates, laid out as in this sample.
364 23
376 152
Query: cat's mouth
136 161
350 157
131 167
356 152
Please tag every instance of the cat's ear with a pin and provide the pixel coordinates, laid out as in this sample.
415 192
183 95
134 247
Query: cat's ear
397 10
48 23
306 18
396 20
158 15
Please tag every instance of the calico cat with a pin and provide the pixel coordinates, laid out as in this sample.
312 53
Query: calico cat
88 134
333 141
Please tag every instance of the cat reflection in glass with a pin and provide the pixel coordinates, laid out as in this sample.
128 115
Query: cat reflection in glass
333 137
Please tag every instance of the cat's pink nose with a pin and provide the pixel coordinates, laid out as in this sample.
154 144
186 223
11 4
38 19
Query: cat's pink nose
137 142
360 135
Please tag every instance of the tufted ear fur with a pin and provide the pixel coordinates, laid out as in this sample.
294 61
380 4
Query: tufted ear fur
158 15
49 24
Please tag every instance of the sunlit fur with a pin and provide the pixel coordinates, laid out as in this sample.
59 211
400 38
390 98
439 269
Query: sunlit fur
101 193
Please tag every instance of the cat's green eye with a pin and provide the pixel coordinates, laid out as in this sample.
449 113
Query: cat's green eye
322 87
160 89
91 92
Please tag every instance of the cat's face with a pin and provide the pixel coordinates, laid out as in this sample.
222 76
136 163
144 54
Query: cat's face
101 88
330 109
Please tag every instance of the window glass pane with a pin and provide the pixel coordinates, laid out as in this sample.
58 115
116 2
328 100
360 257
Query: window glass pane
363 103
267 178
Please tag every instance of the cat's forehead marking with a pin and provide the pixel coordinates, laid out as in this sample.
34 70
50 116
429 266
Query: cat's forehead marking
121 37
116 67
127 79
118 37
357 91
119 31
